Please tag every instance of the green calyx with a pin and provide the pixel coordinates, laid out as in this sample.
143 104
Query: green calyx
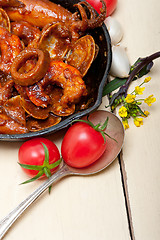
99 128
42 169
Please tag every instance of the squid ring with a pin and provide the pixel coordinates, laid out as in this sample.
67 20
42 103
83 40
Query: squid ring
34 75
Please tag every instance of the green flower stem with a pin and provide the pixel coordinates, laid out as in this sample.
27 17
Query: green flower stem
141 67
139 86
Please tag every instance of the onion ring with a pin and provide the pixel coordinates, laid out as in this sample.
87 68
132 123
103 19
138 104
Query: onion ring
34 75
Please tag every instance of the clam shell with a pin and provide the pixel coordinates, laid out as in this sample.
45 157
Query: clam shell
82 54
52 41
14 110
33 110
4 20
34 125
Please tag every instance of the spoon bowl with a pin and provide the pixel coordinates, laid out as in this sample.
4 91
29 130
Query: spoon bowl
114 129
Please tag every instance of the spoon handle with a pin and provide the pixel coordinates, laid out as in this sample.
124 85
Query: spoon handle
7 222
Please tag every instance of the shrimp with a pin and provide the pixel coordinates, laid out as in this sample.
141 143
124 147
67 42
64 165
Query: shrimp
10 46
67 77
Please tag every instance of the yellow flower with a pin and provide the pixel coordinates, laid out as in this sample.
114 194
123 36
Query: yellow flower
130 98
149 100
138 122
146 113
125 124
123 112
139 90
147 79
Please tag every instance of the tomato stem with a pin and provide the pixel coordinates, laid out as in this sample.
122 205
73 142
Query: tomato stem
40 173
105 124
97 127
47 172
42 169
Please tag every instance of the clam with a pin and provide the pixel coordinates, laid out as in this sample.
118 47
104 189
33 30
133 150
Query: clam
55 40
14 110
8 125
34 125
33 110
82 54
4 20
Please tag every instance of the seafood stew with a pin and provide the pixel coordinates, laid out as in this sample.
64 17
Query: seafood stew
39 119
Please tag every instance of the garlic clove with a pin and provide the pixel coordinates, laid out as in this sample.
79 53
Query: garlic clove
114 29
120 66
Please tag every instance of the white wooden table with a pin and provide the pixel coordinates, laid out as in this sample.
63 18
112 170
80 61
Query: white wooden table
121 203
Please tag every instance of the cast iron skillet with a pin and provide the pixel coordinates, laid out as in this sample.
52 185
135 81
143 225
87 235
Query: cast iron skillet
97 75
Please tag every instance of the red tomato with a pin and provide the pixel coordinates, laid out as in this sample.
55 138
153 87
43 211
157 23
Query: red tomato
111 5
32 153
82 145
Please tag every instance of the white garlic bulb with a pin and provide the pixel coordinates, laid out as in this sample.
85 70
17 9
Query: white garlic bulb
120 66
115 30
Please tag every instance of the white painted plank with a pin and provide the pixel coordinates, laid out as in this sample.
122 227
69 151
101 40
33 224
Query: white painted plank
78 207
141 24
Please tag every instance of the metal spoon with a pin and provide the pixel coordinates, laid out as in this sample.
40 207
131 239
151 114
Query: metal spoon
114 129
